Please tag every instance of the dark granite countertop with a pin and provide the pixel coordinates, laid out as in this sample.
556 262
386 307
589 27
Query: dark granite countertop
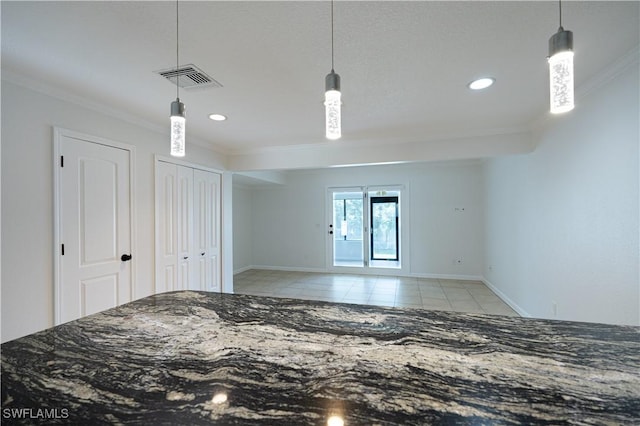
204 358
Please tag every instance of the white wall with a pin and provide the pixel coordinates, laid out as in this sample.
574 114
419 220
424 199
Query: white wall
242 228
28 118
289 224
447 216
562 223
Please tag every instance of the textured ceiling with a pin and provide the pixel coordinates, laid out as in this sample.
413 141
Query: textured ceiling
404 65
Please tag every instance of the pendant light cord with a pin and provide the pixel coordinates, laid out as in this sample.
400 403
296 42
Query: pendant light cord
560 11
331 35
177 49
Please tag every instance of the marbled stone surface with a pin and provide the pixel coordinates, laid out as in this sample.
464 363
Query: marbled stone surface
200 358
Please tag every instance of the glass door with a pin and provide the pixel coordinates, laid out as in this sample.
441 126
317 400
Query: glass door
347 228
364 227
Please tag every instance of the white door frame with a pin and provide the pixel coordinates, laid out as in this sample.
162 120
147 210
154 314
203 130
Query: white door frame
367 269
223 252
58 134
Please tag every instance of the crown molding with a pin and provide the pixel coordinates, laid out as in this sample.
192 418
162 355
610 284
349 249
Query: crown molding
66 96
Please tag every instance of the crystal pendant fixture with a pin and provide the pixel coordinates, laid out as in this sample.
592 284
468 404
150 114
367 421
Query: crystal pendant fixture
561 70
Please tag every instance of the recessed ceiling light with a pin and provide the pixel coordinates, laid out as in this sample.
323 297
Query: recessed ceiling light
481 83
217 117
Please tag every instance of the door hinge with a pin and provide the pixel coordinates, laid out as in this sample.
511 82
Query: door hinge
62 249
62 161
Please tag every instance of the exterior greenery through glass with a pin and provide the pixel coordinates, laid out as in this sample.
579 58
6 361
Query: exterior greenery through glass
384 228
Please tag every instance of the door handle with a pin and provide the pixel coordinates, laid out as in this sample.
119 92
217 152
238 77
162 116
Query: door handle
186 257
202 254
125 257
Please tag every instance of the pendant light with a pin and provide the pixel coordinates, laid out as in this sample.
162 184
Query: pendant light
332 102
177 109
561 69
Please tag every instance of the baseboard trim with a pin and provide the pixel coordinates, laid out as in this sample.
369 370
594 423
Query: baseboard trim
241 270
506 299
283 268
448 277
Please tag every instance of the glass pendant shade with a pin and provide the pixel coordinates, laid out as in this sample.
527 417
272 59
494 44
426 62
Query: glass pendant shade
177 129
332 104
561 72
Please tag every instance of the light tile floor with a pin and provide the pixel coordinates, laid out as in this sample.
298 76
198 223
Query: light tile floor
405 292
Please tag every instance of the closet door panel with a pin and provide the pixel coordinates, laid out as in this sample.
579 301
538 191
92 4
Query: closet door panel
188 226
166 227
200 204
187 273
207 188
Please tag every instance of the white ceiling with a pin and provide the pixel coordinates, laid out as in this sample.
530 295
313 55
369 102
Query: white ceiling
404 65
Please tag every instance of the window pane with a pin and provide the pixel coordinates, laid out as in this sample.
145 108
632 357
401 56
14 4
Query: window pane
354 219
348 247
338 217
384 230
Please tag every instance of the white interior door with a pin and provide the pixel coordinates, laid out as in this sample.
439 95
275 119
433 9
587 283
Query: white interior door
207 229
166 227
94 228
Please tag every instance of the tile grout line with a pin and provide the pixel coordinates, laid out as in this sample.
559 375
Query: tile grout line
322 287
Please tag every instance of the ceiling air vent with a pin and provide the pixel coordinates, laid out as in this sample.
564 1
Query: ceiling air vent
188 77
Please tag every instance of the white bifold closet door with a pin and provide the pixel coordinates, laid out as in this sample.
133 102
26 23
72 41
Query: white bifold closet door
187 228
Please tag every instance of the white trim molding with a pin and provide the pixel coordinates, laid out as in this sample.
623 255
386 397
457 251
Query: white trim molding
506 299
